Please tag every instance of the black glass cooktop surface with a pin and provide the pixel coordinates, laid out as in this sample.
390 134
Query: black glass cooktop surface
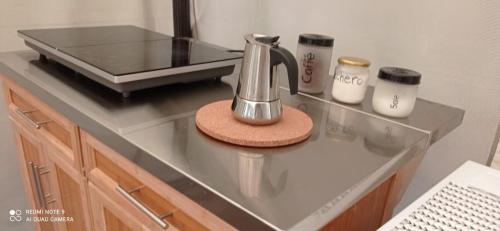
123 50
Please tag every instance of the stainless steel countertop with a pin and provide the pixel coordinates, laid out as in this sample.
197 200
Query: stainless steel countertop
299 187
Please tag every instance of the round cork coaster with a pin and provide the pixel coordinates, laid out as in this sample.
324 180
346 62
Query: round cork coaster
216 120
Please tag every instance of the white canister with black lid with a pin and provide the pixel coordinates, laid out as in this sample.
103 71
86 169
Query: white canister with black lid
396 91
314 55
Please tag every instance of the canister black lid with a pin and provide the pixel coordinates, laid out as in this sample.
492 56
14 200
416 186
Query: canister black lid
316 40
399 75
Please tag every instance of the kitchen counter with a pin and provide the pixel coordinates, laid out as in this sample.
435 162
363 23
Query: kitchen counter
302 187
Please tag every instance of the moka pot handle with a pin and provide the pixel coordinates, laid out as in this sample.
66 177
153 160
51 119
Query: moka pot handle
282 55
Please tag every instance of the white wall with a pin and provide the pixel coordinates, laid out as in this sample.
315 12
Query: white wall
224 22
24 14
454 44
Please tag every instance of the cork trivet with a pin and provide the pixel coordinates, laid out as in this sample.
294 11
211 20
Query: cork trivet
216 120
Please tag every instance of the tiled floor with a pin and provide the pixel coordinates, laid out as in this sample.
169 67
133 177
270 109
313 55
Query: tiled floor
11 189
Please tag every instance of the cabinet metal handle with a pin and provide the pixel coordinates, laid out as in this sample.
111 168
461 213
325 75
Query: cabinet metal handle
35 178
31 170
35 124
141 207
38 183
23 115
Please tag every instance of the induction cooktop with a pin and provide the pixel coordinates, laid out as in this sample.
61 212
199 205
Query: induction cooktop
128 58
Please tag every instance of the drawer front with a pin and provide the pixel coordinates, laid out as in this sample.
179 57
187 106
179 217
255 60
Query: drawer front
155 200
132 204
48 124
111 216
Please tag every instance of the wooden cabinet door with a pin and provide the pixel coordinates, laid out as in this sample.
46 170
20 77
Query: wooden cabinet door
109 215
69 193
34 172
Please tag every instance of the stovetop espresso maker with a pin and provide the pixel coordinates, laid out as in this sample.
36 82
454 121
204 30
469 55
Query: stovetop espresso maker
257 100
